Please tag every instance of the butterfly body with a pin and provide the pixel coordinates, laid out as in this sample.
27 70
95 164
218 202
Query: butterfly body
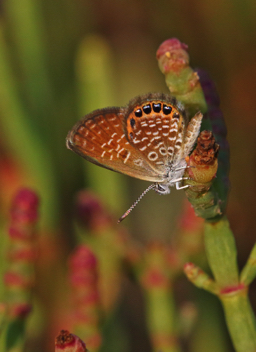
148 139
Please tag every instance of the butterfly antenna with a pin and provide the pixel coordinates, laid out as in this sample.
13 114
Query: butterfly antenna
135 203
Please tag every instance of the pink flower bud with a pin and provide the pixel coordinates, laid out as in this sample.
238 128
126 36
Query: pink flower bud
170 45
172 56
21 254
66 342
24 206
83 258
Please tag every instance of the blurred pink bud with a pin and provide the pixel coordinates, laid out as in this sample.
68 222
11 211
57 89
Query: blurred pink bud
172 55
12 279
83 258
155 278
83 276
20 310
24 206
90 212
189 268
170 45
18 233
66 342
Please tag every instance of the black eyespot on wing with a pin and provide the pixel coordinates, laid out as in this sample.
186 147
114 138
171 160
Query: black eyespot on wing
147 109
156 107
167 109
138 113
176 115
132 122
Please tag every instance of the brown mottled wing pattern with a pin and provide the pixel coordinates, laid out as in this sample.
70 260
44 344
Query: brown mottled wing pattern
156 128
101 139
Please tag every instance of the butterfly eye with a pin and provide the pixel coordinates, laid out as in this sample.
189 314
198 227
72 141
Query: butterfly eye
138 113
147 109
167 109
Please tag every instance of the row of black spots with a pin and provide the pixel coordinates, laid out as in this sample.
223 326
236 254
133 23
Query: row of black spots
146 109
157 107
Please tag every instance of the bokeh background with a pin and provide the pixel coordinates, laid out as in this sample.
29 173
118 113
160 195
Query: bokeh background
62 59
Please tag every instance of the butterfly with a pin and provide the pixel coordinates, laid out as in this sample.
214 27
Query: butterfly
148 139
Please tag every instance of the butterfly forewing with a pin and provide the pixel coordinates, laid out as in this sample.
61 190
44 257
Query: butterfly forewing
101 139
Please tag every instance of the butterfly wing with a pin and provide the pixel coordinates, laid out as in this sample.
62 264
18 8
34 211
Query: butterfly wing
100 137
159 137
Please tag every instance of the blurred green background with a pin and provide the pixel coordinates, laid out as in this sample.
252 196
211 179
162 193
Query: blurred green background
61 59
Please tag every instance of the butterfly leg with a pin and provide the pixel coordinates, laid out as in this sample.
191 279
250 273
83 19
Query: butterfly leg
179 179
182 187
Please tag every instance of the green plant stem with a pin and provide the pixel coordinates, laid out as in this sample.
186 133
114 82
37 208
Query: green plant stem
25 22
32 154
156 278
221 253
96 90
204 200
160 312
199 277
15 336
181 79
183 82
249 271
179 85
240 320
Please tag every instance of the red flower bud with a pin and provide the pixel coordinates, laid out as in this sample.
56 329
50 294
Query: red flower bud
66 342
